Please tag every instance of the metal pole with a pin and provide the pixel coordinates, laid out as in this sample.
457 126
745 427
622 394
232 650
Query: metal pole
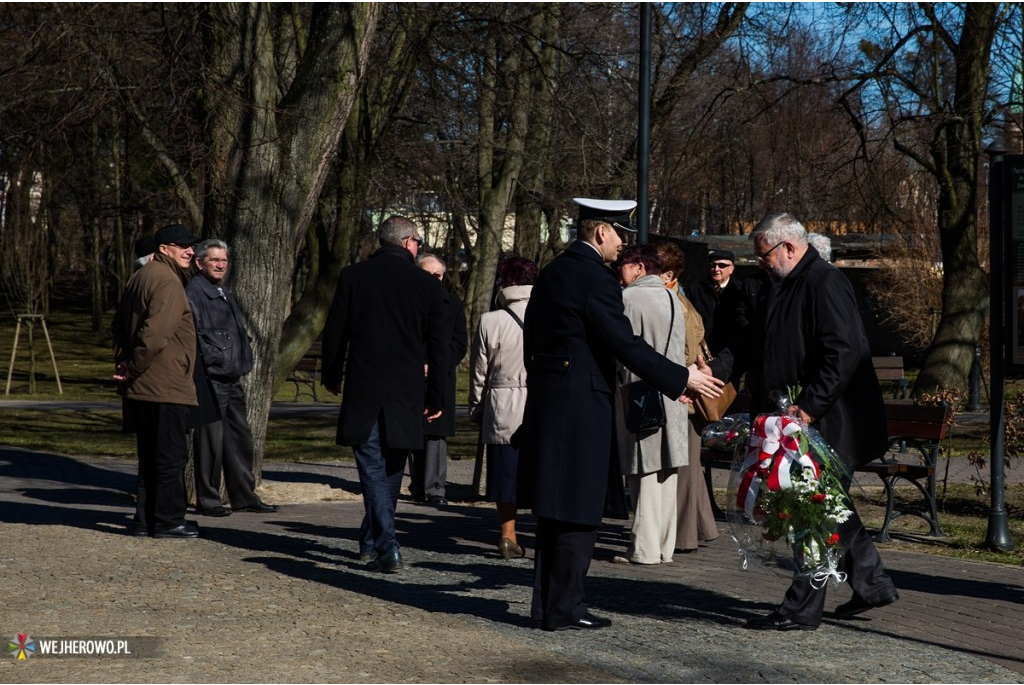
998 535
643 139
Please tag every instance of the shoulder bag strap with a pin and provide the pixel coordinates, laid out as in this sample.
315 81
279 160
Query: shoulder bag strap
672 321
514 316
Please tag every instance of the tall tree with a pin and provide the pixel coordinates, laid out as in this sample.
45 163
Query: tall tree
400 41
277 94
932 79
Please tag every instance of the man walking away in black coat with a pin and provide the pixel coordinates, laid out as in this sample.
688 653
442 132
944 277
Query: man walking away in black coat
807 334
385 313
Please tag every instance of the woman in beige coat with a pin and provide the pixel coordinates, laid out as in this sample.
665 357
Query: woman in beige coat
696 521
497 391
651 460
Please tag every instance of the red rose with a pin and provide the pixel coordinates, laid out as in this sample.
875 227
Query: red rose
783 515
818 497
833 539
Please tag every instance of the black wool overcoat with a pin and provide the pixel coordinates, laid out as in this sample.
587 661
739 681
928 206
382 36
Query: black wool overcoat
386 312
575 330
458 342
808 334
724 313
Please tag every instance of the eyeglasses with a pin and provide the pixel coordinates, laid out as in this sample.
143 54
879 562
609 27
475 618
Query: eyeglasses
720 265
418 240
763 257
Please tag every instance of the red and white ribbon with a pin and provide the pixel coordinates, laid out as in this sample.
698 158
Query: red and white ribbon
772 450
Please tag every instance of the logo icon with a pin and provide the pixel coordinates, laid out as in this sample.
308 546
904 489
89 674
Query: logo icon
22 646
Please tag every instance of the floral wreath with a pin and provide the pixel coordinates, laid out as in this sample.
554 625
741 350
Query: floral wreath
790 484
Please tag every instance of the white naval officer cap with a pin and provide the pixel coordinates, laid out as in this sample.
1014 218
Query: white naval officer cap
618 213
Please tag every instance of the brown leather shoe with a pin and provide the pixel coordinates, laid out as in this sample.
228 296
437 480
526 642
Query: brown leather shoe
510 550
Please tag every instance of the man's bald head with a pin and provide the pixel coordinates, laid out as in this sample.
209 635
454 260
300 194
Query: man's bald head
433 265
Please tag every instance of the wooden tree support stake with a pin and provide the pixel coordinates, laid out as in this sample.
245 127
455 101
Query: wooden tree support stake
31 319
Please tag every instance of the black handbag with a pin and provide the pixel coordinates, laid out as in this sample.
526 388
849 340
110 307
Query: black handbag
646 410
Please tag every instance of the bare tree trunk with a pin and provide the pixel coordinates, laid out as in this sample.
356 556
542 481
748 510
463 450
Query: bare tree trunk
497 179
330 240
955 151
121 263
274 119
530 209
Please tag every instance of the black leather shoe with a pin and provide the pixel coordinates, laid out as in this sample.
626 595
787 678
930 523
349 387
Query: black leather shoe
588 622
858 605
775 621
216 511
141 532
388 562
185 530
259 508
437 500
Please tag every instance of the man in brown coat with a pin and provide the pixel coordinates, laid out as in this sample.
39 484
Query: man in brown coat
154 354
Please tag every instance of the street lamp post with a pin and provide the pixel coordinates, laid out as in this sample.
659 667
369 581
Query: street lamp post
643 139
998 535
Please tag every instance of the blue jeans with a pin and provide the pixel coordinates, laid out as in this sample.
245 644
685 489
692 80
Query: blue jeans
381 470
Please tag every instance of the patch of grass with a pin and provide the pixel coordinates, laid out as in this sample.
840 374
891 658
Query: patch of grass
67 431
303 438
963 517
85 358
85 361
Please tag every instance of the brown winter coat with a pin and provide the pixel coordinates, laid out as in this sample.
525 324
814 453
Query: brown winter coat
155 334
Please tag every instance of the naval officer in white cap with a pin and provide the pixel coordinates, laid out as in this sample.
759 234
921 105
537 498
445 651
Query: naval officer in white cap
575 331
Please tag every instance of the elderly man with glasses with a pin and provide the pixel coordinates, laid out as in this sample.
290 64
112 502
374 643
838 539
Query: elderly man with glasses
154 357
720 301
809 340
386 314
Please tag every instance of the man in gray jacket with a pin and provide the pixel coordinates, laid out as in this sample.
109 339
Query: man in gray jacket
224 345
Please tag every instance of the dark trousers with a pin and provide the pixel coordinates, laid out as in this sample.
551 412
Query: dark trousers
428 469
864 572
561 562
225 445
380 469
162 441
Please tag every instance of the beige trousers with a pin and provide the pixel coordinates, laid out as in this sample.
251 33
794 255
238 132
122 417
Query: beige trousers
696 519
653 537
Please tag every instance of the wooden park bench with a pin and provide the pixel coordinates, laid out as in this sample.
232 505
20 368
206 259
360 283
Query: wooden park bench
307 372
921 428
891 369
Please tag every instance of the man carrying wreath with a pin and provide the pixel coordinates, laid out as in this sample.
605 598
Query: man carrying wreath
806 333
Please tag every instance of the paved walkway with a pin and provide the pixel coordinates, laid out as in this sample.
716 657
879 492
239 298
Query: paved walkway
283 598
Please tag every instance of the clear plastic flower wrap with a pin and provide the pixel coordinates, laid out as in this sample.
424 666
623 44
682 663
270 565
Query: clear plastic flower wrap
725 435
785 499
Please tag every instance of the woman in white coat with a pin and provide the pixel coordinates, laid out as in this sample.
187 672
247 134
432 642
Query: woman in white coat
497 391
651 459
